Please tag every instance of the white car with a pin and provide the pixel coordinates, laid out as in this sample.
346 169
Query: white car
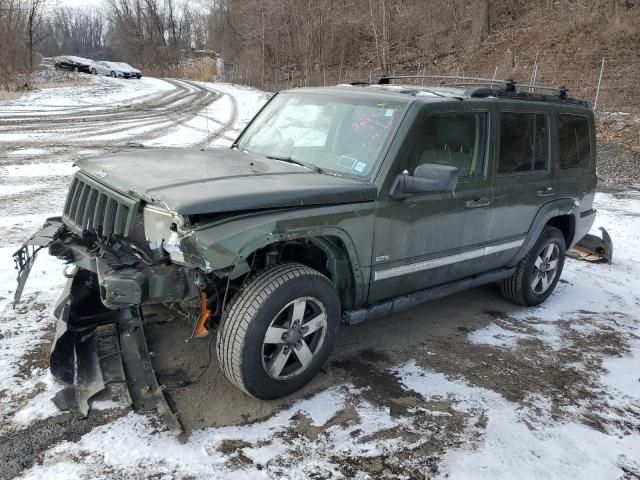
114 69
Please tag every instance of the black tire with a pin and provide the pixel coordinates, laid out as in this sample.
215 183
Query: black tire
75 69
518 288
113 74
94 71
242 345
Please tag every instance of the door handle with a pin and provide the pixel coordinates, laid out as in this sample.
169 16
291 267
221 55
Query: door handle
479 203
547 192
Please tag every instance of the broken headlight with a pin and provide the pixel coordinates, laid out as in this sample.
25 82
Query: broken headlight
161 231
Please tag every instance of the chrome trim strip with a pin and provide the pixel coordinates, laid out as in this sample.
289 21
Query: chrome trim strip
442 261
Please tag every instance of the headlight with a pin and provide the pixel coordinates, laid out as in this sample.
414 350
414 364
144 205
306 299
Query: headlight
161 231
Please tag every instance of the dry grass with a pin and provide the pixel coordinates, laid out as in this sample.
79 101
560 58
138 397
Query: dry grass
14 90
65 83
6 95
203 69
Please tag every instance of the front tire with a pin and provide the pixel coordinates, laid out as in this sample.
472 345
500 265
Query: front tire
113 74
94 71
537 274
278 330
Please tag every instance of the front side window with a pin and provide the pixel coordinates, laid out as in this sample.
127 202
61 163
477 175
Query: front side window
524 142
340 134
575 141
456 139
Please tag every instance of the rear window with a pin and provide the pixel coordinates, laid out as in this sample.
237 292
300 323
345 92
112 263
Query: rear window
524 142
575 141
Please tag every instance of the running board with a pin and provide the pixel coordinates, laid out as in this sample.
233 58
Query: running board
404 302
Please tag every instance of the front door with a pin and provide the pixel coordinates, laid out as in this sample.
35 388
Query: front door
433 238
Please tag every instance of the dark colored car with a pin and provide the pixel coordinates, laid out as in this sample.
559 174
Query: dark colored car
69 62
334 205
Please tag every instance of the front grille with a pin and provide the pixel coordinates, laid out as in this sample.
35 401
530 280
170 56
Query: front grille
92 208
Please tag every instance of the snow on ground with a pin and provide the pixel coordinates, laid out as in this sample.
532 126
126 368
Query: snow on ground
451 425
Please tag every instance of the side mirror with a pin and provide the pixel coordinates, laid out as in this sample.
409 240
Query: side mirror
427 178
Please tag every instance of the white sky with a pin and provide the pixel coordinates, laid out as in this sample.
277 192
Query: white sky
75 3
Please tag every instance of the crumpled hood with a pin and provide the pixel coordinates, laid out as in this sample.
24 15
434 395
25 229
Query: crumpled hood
189 181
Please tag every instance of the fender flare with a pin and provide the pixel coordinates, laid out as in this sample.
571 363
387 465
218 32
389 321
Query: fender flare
550 210
232 253
339 259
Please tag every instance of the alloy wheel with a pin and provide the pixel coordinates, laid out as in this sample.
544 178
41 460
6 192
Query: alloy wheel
545 269
294 338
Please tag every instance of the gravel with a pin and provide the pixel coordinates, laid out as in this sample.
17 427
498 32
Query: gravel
618 164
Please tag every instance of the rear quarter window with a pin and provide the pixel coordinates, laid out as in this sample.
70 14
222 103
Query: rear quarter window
574 140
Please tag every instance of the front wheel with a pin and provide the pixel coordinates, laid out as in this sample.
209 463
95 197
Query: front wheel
94 71
537 274
113 74
278 330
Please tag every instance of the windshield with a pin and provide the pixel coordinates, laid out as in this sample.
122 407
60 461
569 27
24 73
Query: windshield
342 135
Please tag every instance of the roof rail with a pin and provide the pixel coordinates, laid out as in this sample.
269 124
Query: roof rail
504 87
458 80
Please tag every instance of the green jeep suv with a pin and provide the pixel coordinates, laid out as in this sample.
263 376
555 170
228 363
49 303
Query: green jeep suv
335 204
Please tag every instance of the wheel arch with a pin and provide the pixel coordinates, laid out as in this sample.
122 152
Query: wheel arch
327 253
561 213
567 225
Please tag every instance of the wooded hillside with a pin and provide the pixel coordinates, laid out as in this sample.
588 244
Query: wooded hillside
280 43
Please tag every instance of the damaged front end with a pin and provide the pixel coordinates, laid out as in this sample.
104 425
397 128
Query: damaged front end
97 347
116 269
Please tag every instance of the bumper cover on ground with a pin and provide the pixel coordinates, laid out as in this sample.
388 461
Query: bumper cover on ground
112 354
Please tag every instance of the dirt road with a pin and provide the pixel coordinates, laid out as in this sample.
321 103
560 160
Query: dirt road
87 122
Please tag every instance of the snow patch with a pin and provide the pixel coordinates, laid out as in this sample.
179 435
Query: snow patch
508 444
28 152
34 170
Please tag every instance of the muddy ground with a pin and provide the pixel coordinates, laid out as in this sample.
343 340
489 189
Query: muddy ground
434 336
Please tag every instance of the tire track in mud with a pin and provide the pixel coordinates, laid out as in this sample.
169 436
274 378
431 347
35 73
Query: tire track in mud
224 126
147 120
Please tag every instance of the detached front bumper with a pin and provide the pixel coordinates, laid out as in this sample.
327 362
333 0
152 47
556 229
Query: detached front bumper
92 352
100 339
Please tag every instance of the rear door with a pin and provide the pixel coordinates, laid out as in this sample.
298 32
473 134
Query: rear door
433 238
522 181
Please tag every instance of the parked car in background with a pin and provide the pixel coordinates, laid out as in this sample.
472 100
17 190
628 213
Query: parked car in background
114 69
133 72
69 62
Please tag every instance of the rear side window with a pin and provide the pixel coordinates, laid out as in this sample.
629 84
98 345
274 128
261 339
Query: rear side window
456 139
575 141
524 142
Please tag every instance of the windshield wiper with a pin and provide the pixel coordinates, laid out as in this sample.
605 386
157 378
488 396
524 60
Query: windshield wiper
297 162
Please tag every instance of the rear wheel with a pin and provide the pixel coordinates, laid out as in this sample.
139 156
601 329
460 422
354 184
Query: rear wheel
278 330
113 74
94 71
537 274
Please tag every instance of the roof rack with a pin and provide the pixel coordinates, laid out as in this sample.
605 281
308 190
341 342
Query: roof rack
458 80
491 87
